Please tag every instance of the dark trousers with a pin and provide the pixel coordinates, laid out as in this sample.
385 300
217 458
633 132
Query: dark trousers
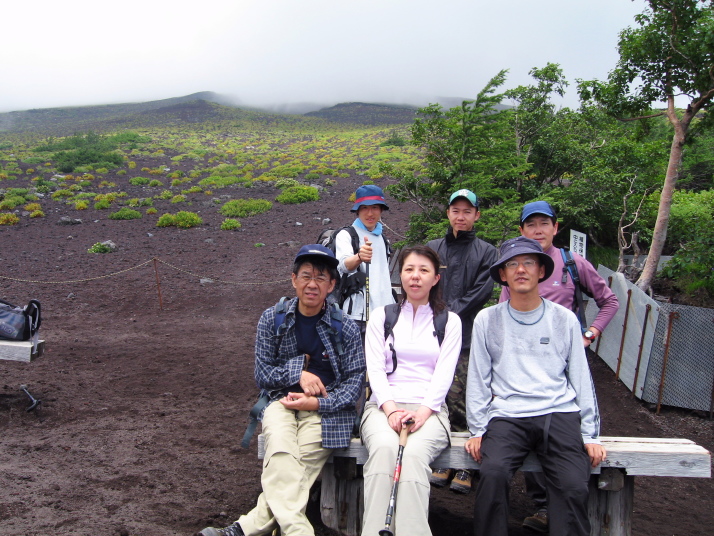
559 446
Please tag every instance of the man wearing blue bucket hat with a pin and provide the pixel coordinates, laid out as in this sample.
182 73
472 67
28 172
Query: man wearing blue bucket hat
529 389
363 252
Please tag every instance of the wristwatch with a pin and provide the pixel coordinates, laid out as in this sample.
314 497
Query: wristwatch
589 335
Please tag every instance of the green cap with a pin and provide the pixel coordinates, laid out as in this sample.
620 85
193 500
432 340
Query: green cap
466 194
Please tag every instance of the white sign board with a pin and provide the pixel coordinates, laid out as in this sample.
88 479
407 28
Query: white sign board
578 242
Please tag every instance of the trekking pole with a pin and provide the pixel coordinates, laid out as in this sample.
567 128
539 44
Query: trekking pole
366 285
386 531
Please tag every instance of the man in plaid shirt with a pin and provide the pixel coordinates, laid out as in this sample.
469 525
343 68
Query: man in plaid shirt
312 390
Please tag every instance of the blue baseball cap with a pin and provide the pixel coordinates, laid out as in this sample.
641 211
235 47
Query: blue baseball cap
317 251
466 194
537 207
369 194
521 246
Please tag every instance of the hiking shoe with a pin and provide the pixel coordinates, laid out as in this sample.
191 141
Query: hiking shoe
462 481
231 530
537 522
440 477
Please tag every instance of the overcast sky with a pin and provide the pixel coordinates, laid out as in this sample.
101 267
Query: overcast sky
78 52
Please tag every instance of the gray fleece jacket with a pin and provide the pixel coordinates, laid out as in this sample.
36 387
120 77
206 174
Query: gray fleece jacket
518 370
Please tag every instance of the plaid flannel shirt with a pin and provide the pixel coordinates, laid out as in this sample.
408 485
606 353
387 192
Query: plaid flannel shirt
279 367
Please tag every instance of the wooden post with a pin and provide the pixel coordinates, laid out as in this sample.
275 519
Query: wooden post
610 503
342 498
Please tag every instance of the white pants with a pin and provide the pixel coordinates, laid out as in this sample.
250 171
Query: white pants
294 457
411 515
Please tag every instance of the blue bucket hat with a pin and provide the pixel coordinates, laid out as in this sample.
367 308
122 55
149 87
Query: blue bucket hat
369 194
537 207
317 251
521 246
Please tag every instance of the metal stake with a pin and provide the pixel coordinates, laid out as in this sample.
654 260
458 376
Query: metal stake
642 345
672 316
158 284
624 333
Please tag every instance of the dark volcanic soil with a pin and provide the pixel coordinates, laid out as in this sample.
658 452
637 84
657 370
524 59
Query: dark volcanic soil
143 408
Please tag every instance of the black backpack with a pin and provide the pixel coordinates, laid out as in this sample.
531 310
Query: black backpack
352 283
19 323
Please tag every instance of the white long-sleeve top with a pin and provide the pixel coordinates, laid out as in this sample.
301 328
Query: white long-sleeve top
380 283
518 370
424 371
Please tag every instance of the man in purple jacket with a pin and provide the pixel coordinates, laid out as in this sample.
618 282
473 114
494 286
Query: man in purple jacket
539 222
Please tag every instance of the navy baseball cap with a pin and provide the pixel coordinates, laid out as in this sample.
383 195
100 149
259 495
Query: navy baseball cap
537 207
521 246
369 194
317 251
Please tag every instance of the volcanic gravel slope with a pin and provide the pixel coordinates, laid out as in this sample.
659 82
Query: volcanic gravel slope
144 406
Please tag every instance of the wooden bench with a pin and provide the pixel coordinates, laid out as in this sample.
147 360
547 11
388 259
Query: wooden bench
612 484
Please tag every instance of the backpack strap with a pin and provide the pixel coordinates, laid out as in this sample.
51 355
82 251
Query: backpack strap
391 315
281 309
569 267
336 320
253 420
440 321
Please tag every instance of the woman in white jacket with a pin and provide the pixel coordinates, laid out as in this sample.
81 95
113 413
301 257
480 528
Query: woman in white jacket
413 391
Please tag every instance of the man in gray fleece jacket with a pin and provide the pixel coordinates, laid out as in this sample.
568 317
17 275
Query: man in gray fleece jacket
529 389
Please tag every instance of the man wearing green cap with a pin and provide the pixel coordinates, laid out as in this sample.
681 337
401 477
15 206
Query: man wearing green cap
467 286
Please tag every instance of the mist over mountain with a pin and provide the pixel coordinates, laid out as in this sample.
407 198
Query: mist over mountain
203 106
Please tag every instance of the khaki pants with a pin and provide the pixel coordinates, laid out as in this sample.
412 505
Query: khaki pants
411 516
293 459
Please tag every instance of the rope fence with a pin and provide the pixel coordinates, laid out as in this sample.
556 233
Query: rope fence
155 261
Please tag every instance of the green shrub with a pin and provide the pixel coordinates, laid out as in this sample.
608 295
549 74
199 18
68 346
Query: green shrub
217 181
166 220
166 194
9 219
99 248
81 205
125 213
155 182
151 210
139 181
37 214
31 207
102 204
10 202
312 176
230 224
298 194
242 208
178 199
186 220
286 183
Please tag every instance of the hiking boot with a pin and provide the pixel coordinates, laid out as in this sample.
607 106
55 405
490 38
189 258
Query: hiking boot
440 477
231 530
537 522
462 481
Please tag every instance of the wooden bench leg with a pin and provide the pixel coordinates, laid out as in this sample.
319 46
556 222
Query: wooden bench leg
610 504
341 500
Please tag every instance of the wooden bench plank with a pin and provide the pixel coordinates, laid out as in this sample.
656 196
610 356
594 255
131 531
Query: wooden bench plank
20 350
637 456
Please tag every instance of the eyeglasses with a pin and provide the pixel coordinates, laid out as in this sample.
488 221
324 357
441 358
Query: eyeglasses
527 264
319 279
